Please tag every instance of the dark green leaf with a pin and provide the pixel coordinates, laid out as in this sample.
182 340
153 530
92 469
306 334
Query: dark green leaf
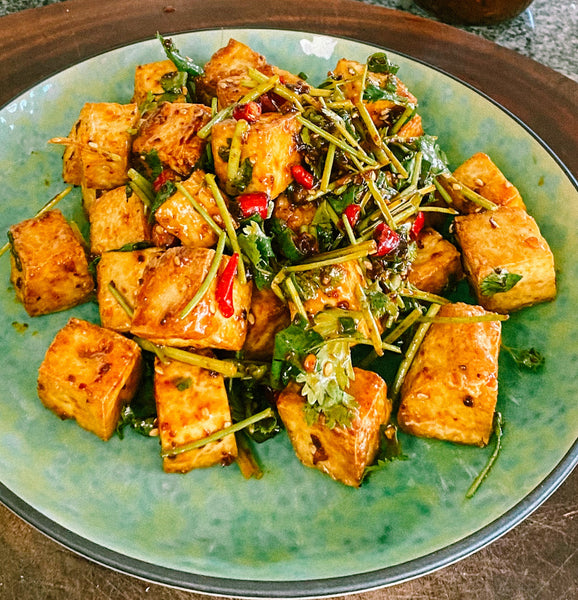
379 63
527 358
154 163
167 190
498 281
372 93
256 246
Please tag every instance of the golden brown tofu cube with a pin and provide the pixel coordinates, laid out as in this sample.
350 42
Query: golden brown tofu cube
125 270
268 316
49 268
170 283
437 265
148 78
506 240
117 218
343 453
100 143
480 174
412 129
351 72
451 388
171 130
270 146
192 404
89 374
231 89
235 58
178 217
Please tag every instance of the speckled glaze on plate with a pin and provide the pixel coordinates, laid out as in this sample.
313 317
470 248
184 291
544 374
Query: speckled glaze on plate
295 532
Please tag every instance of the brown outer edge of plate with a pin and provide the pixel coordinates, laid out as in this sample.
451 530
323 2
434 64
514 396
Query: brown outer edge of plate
37 43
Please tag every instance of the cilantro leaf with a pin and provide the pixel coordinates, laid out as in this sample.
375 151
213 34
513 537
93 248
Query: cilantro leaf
372 93
256 246
526 358
389 449
498 281
380 63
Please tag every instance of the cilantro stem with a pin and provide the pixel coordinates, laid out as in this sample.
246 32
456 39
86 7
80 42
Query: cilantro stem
226 368
200 209
294 295
405 115
217 435
211 274
121 299
327 167
499 432
381 203
235 152
472 319
229 226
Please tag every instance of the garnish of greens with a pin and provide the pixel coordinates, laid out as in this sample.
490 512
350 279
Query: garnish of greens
498 281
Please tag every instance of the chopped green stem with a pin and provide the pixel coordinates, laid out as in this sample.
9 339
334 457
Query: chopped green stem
223 114
439 209
499 432
369 124
235 152
295 298
412 351
470 195
416 172
472 319
349 231
341 144
211 274
218 435
227 219
360 251
226 368
121 299
200 209
48 206
405 115
371 321
381 203
327 167
396 333
425 296
442 191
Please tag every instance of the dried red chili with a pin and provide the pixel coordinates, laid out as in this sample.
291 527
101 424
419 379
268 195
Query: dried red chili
387 239
250 111
302 176
164 176
254 203
224 292
417 225
352 212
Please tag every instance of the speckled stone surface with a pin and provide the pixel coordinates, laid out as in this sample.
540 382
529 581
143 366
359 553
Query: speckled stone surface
547 32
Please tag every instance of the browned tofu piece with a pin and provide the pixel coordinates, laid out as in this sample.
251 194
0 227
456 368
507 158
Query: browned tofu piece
192 404
268 316
437 264
351 72
506 240
117 218
451 388
89 373
412 129
100 143
343 453
148 78
235 58
49 268
125 270
170 282
480 174
171 130
178 217
231 89
270 145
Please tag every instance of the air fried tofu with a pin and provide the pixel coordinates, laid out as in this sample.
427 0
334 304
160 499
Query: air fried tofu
170 283
117 218
178 217
89 374
49 268
343 453
437 265
192 404
268 316
100 144
506 240
125 271
149 78
171 131
480 174
451 389
269 146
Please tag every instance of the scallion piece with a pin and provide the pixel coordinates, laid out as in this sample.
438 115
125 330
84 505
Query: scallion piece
121 299
499 432
199 208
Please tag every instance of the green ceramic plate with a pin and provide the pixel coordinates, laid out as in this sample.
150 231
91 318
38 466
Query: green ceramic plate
295 532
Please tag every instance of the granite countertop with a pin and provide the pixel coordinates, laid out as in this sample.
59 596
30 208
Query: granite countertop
546 32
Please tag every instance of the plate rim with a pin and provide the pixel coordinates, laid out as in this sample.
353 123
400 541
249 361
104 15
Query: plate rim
318 587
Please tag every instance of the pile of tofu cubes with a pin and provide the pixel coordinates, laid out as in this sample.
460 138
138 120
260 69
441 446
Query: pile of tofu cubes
91 371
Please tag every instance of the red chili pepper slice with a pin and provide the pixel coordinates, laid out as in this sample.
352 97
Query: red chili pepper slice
352 212
417 225
302 176
250 111
224 292
254 203
164 176
387 239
